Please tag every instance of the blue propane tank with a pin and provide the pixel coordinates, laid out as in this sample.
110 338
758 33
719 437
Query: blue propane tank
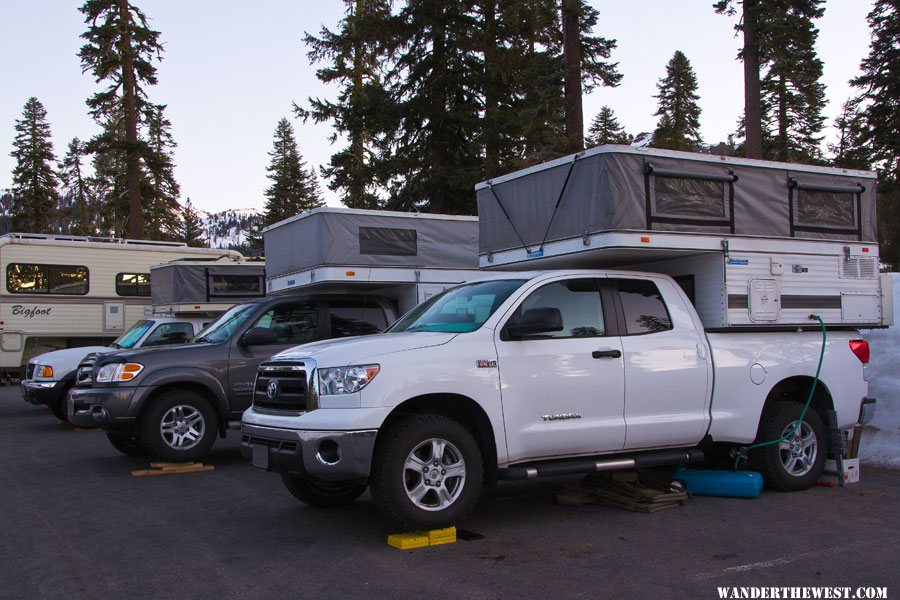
729 484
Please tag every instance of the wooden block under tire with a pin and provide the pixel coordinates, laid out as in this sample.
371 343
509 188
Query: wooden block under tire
172 471
160 465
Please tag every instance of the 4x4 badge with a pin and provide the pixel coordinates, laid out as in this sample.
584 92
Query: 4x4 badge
272 390
486 364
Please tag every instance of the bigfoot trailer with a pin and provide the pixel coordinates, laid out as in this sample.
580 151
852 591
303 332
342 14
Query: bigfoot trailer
705 338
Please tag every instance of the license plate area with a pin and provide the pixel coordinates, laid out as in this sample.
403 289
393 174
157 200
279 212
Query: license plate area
260 456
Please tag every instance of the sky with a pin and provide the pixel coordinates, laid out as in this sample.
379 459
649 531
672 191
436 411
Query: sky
232 69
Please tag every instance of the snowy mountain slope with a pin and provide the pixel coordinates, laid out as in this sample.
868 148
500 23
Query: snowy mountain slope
229 228
881 438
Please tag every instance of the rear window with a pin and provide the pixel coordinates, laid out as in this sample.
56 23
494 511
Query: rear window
645 311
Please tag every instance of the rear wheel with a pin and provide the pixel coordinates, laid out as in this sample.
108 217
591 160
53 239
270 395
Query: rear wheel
797 462
58 406
129 445
427 473
179 426
322 494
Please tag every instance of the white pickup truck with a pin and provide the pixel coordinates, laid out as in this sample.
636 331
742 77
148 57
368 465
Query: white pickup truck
50 376
544 373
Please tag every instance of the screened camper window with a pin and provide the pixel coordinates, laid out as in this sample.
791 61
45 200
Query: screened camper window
692 198
63 280
133 284
826 209
235 285
387 241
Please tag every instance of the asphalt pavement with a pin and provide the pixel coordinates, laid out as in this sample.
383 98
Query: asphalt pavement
74 523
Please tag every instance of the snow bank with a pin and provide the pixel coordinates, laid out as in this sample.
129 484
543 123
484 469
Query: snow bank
881 438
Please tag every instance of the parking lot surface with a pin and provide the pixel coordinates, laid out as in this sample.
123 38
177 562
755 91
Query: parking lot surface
74 523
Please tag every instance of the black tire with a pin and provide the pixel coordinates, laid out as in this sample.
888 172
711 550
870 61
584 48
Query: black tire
781 469
58 407
391 479
129 445
161 408
322 494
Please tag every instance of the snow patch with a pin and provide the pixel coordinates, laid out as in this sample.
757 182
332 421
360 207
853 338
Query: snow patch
229 228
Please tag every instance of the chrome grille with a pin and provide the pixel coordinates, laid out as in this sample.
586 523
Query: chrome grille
281 386
84 373
29 370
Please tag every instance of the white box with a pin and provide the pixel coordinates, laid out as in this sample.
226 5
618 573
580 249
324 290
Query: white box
851 471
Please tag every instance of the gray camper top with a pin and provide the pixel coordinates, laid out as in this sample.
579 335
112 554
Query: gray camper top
753 243
207 286
405 256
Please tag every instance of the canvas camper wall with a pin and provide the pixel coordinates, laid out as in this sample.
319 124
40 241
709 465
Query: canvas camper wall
404 256
205 286
755 243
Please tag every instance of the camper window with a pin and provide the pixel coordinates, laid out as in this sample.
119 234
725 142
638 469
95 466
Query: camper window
26 278
691 199
235 285
817 208
388 241
133 284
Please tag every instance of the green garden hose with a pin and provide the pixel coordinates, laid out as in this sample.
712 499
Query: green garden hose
742 453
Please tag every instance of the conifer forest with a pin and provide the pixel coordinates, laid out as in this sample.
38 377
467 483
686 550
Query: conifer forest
432 96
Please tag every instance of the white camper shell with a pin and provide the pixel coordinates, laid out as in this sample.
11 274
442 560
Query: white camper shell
755 244
407 257
67 291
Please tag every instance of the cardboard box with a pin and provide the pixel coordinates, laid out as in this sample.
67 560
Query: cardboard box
851 472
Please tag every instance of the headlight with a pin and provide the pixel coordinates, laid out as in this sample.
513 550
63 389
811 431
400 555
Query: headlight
114 372
43 371
346 380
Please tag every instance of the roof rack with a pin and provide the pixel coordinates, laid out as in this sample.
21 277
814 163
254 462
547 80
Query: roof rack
89 238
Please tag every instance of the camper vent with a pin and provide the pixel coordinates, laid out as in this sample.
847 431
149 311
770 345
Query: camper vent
858 268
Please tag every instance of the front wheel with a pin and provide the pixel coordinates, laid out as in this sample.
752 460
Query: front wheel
58 406
322 494
179 426
427 473
797 462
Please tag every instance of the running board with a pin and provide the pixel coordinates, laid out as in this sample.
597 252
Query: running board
583 467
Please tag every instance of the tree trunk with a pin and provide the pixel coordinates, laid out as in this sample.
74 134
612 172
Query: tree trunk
571 10
129 100
782 141
357 188
491 91
752 103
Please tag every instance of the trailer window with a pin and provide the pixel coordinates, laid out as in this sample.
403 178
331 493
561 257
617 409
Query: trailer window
235 285
133 284
645 310
63 280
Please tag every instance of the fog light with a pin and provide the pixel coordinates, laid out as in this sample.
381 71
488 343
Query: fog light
98 413
329 452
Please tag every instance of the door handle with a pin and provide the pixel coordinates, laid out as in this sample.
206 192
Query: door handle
606 353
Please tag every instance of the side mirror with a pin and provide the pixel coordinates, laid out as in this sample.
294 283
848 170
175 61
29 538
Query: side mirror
536 321
258 336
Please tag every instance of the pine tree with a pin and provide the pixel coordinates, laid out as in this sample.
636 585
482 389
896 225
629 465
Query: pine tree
33 180
294 189
679 114
353 54
162 211
120 49
191 229
792 95
605 129
78 214
109 181
850 150
751 123
879 83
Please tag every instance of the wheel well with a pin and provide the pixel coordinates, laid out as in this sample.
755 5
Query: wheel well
459 408
197 388
796 389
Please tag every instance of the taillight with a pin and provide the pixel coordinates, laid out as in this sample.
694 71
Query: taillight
861 349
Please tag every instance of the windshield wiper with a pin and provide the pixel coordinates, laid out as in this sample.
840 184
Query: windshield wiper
116 346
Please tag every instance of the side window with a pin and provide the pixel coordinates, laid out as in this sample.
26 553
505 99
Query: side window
292 323
578 301
133 284
645 311
64 280
350 318
170 333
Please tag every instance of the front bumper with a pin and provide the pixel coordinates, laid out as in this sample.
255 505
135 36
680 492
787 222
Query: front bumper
109 408
325 455
43 392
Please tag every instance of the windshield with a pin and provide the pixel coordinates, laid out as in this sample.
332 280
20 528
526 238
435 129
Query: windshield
458 310
133 335
222 328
